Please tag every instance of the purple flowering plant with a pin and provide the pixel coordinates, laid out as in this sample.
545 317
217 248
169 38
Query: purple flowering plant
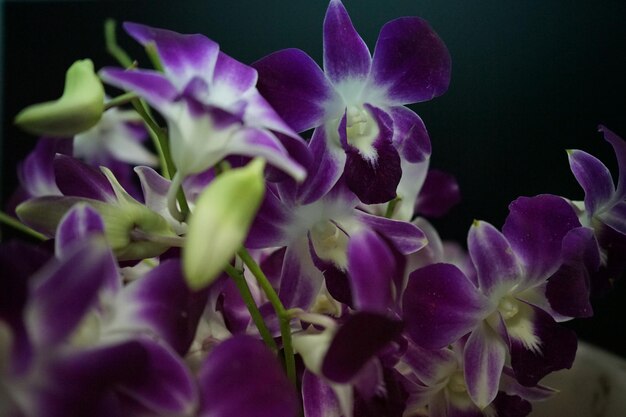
269 253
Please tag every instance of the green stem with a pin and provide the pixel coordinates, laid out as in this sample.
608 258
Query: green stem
246 295
159 138
16 224
120 100
283 315
391 207
112 47
153 54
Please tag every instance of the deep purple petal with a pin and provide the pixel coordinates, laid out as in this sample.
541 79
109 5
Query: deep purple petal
410 61
390 402
483 360
406 237
295 86
267 230
164 385
64 290
151 85
241 377
325 169
77 179
80 222
346 56
182 56
511 405
438 195
318 398
370 332
496 265
410 135
539 345
620 153
373 179
371 266
535 228
568 290
162 303
440 305
594 177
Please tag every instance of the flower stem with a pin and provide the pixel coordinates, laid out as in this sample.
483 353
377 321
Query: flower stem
111 44
283 316
119 100
246 295
391 207
16 224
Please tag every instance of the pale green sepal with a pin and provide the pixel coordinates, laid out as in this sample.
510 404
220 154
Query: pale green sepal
220 222
121 221
79 108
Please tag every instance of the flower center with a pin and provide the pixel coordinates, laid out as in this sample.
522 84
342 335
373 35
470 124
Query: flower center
330 243
508 307
361 130
456 383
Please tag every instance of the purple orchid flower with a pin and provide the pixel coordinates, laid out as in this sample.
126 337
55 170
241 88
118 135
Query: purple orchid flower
86 345
211 106
357 103
511 306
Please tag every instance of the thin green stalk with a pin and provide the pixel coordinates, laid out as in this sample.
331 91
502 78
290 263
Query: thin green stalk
391 207
246 295
159 138
119 100
17 225
111 44
283 315
153 54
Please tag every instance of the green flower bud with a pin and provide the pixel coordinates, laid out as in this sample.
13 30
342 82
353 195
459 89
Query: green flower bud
79 108
220 222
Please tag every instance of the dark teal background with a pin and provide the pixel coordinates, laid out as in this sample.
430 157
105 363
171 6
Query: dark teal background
529 79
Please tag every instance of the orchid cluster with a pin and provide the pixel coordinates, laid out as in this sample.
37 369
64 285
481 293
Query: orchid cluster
269 253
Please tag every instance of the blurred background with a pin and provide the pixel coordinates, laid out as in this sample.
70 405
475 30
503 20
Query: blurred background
529 80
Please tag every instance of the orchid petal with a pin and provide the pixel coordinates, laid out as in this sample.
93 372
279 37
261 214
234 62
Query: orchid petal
438 195
346 55
183 56
619 146
75 178
409 188
300 280
77 224
594 177
318 397
440 305
411 63
241 377
483 360
405 237
431 366
616 217
410 135
496 265
231 79
36 172
296 87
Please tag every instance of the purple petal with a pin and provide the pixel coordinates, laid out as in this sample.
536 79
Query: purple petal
80 222
438 195
538 345
371 266
151 85
182 56
163 385
267 230
370 332
496 265
346 56
256 142
483 360
162 303
594 177
65 289
36 172
568 290
410 135
295 86
440 305
75 178
616 217
620 153
231 78
535 228
318 398
406 237
300 281
431 366
241 377
373 179
511 405
325 169
410 61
